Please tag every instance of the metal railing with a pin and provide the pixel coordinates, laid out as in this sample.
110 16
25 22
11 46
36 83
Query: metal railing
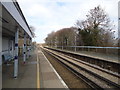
103 50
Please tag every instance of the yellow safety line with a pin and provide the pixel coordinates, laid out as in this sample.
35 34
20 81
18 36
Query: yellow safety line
38 73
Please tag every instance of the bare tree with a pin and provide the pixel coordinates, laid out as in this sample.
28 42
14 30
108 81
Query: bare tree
50 39
32 28
96 30
63 37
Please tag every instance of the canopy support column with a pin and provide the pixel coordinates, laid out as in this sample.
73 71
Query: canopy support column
16 53
24 49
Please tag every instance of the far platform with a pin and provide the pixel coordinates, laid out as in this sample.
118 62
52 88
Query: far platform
105 57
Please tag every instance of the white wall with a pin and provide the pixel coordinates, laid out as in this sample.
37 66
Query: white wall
7 46
119 19
0 58
0 35
0 48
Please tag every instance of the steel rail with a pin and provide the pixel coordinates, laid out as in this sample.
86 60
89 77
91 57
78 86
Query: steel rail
87 57
94 85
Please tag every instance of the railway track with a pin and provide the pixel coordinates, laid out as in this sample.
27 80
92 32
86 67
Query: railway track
94 77
111 67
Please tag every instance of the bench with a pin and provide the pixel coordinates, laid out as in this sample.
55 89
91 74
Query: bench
6 57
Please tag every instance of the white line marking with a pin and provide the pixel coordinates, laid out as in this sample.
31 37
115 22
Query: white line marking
64 84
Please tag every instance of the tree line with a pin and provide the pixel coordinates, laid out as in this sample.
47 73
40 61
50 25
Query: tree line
95 30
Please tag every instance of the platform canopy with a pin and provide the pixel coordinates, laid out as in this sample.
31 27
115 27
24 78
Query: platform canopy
13 17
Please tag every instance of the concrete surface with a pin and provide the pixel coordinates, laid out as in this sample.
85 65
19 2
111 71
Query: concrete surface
49 78
107 57
27 74
0 77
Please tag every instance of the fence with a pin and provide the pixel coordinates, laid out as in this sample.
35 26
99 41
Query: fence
104 50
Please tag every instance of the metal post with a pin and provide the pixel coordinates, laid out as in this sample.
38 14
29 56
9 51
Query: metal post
12 48
29 49
16 54
30 46
62 47
75 43
24 51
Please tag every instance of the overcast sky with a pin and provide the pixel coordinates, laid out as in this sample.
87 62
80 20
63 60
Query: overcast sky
51 15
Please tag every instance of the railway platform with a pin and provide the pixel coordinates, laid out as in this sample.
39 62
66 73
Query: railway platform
97 55
26 74
49 78
37 72
106 57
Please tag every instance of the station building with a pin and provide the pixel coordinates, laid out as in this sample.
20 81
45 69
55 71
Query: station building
14 33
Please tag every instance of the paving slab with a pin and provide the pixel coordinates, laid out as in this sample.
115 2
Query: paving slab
49 78
26 77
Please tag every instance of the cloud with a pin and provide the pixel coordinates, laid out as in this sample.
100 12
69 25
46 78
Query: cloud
37 9
52 15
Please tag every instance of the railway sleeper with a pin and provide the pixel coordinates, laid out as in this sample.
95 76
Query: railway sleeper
96 75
